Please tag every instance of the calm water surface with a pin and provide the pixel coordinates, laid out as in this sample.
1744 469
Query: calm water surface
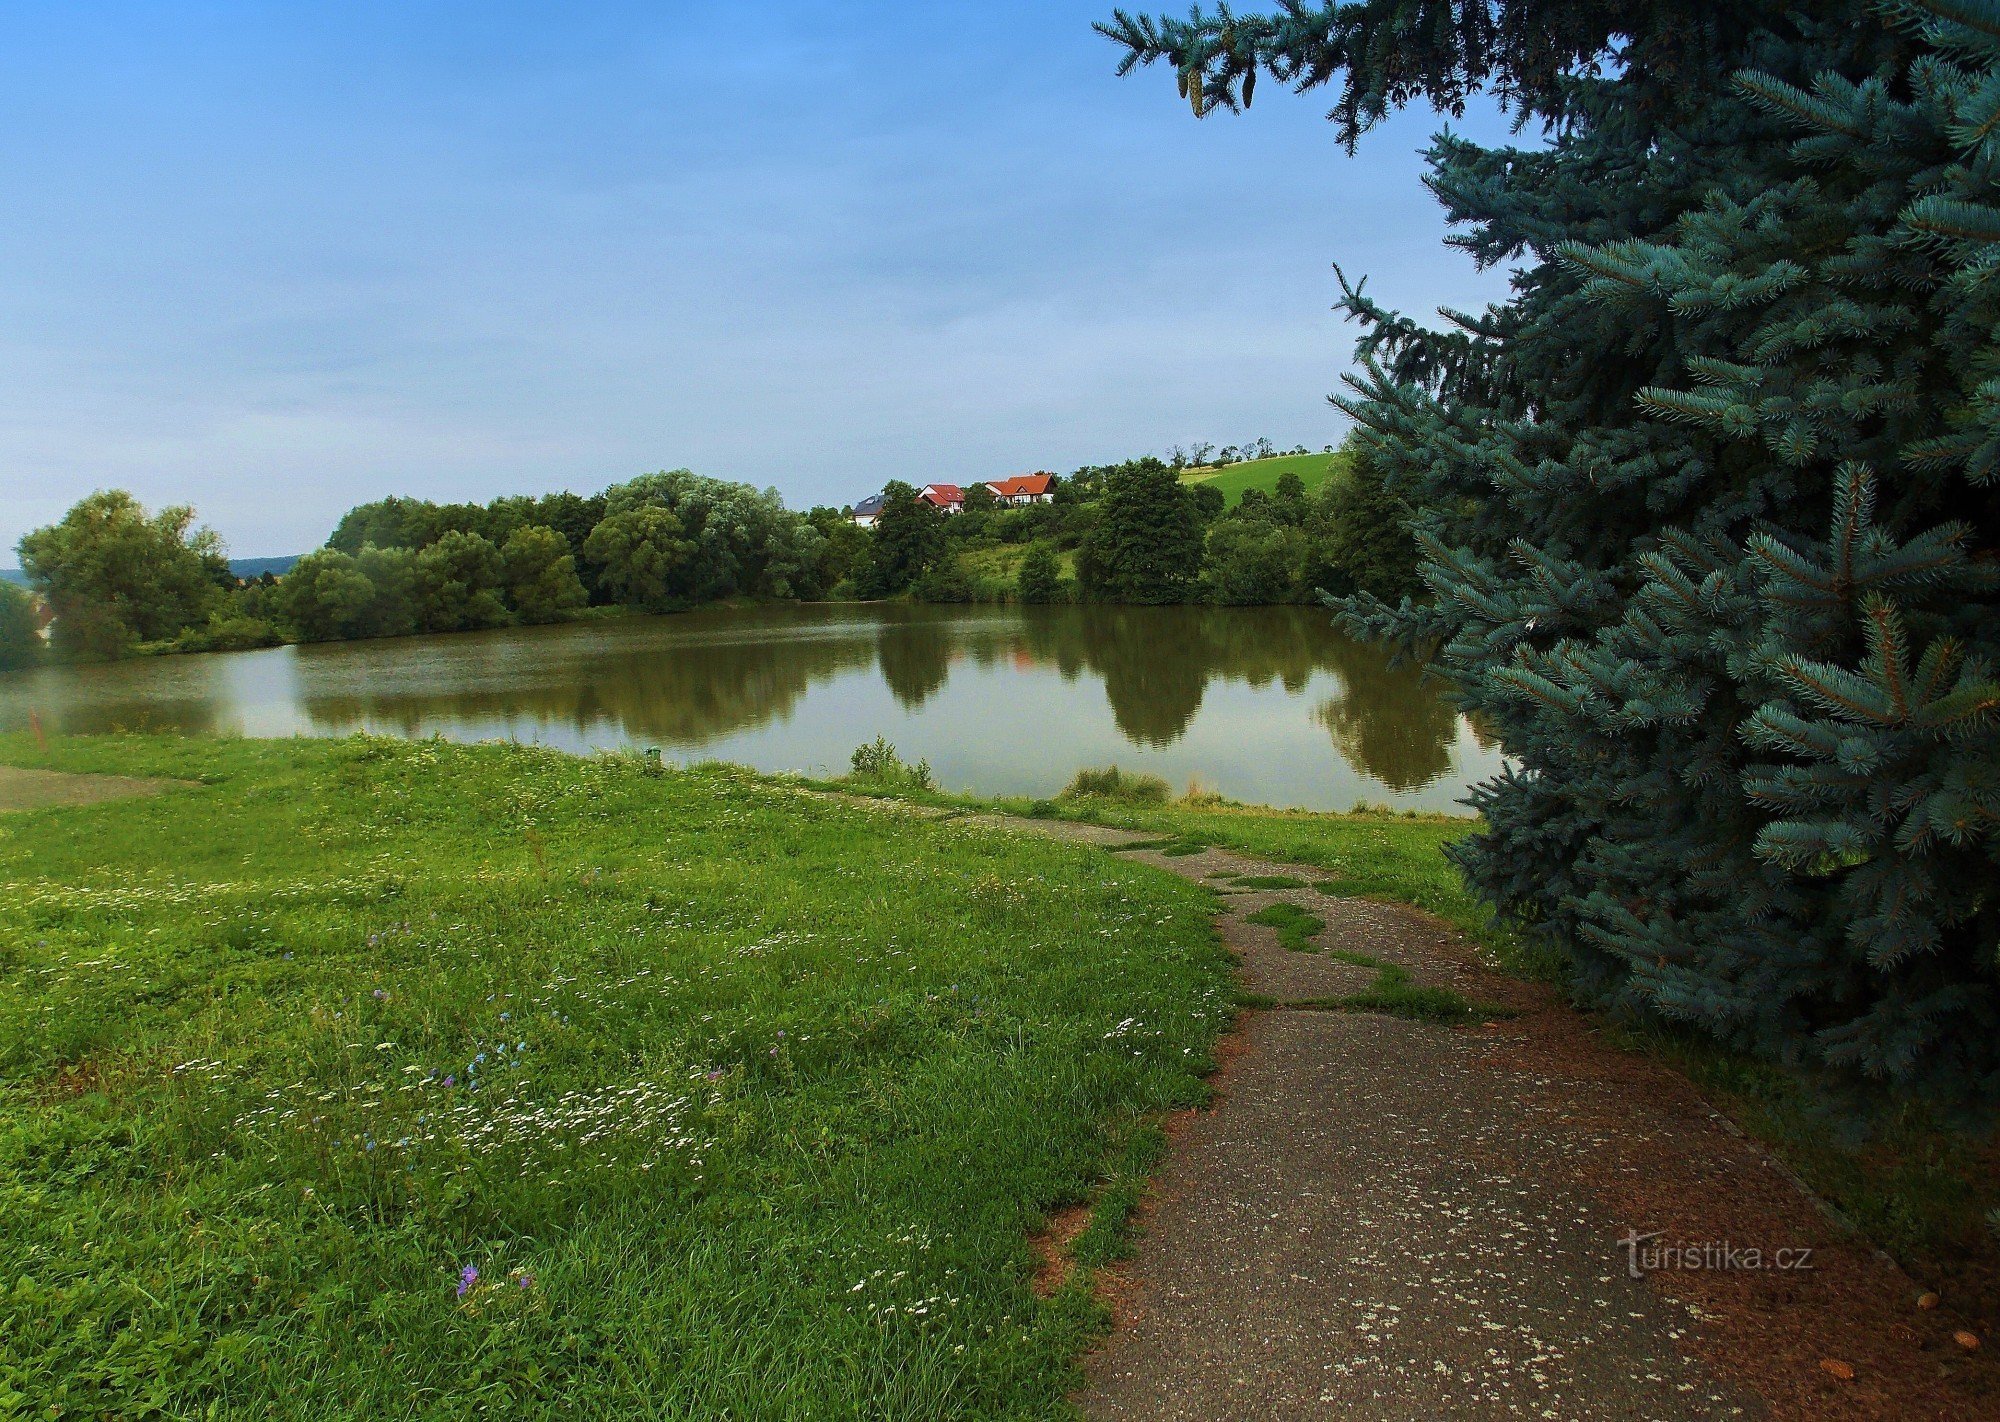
1267 705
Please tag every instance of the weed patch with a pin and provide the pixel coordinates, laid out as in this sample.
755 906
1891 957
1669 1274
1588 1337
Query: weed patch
1122 786
1296 928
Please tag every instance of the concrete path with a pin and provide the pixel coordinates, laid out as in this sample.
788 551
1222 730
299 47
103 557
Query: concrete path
1387 1219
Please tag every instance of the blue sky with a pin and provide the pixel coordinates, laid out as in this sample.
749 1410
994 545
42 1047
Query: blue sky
277 259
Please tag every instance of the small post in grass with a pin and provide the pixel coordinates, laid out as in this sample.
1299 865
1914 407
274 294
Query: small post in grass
653 764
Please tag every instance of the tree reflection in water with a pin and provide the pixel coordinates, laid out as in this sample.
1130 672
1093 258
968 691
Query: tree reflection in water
915 657
693 680
682 690
1387 720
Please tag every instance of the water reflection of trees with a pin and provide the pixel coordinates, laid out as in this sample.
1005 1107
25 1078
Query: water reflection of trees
915 657
1388 721
181 695
690 681
660 680
680 692
1157 664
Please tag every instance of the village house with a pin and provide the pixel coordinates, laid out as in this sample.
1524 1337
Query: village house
948 497
1025 489
1015 492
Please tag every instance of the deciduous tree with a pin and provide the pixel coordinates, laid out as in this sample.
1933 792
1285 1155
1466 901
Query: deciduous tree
542 585
1147 544
1040 578
640 551
905 543
20 633
458 582
115 575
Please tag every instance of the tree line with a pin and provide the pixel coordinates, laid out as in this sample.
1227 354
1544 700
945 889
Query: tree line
1134 532
120 580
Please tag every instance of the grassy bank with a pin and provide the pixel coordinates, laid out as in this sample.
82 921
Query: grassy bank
370 1078
1370 853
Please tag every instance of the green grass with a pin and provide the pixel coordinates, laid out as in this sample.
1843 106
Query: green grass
741 1101
1232 479
1380 854
998 565
1395 993
1296 928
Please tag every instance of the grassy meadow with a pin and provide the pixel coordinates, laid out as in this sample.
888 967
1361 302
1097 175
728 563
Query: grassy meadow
384 1079
996 568
1231 480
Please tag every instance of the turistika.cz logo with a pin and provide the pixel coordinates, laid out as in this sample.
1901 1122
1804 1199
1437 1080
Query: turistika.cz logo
1648 1253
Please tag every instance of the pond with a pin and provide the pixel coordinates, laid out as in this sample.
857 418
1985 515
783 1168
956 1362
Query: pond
1265 705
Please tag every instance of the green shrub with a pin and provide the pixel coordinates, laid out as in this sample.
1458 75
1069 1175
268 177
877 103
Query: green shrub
1111 783
228 634
947 582
1040 578
878 764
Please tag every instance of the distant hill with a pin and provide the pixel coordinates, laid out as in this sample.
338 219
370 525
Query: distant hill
257 567
242 567
1232 479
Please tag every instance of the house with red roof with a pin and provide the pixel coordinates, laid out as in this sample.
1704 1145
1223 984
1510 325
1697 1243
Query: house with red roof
947 497
1024 489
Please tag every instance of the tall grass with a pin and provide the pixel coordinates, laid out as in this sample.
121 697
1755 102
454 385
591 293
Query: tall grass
1121 786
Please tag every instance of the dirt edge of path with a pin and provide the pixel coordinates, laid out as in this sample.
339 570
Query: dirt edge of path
22 789
1848 1341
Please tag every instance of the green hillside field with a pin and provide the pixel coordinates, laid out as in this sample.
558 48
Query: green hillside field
1232 479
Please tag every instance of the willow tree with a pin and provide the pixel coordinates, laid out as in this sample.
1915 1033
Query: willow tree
1709 506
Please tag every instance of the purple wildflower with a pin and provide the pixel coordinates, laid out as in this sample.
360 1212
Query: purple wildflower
467 1277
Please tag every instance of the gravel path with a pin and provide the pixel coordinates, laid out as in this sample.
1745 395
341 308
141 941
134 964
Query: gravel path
1387 1219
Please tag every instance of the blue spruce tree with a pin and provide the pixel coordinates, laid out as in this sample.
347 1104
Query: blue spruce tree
1711 507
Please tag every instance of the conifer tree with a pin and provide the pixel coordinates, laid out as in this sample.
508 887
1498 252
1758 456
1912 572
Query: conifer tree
1710 507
